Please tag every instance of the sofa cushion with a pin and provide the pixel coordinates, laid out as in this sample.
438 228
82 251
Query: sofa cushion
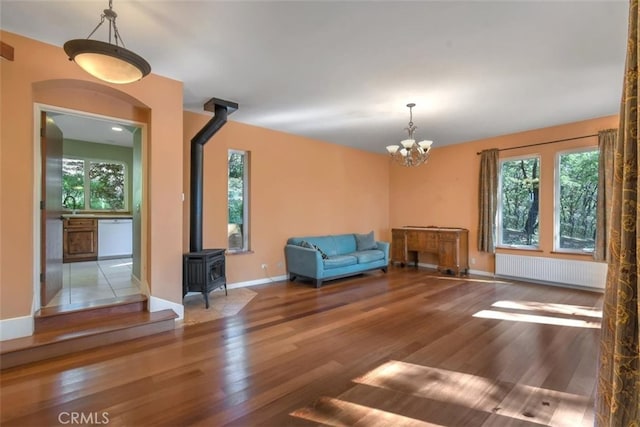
306 244
368 256
337 244
339 261
343 244
365 241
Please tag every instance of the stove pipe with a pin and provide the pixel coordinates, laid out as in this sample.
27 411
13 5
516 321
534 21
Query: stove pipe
220 109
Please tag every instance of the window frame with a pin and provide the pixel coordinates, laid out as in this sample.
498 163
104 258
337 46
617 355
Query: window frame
556 201
87 182
499 219
246 221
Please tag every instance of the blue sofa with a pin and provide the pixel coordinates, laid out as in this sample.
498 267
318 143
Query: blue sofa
321 258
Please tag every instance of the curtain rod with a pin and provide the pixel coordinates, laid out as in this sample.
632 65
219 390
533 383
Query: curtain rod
548 142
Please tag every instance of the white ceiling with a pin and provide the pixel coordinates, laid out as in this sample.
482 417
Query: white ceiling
92 129
343 71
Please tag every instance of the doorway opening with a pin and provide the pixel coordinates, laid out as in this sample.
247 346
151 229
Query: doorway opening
91 225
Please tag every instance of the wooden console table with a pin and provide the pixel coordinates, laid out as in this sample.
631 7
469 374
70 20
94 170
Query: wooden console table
451 245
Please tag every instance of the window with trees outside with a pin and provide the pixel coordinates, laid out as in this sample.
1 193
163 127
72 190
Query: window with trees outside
518 202
238 201
576 198
93 185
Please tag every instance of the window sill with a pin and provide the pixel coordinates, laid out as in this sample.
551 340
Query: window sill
234 253
520 248
568 252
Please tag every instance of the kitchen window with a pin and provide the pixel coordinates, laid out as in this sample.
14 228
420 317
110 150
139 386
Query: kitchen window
93 185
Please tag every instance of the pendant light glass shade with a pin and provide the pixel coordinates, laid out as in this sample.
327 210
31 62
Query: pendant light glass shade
109 62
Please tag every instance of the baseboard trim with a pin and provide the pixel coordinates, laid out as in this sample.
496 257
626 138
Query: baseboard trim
482 273
476 272
257 282
158 304
17 327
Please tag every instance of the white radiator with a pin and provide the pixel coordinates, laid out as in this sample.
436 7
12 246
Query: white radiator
553 270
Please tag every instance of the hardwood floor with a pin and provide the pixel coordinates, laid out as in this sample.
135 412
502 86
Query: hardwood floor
409 348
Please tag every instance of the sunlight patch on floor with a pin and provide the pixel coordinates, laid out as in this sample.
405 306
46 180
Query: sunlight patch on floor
545 313
340 413
568 309
532 318
498 398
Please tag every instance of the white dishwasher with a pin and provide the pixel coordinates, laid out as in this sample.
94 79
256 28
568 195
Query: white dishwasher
115 238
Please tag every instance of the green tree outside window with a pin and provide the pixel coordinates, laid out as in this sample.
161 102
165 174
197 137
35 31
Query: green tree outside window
106 189
520 202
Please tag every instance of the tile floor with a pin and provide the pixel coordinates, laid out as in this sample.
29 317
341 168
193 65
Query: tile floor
93 280
220 305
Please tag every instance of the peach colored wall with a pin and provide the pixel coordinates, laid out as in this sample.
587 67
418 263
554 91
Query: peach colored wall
299 186
445 191
42 73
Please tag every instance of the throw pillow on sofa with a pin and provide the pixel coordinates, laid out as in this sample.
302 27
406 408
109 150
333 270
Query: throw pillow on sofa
306 244
365 242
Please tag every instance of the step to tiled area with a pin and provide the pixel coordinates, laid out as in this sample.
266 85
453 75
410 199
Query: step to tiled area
84 328
67 315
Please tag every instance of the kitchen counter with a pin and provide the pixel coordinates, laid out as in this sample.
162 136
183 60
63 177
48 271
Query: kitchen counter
98 215
92 236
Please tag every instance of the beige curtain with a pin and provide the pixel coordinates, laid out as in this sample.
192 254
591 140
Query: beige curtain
606 147
618 401
488 200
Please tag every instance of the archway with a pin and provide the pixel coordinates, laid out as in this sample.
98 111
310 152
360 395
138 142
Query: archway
91 101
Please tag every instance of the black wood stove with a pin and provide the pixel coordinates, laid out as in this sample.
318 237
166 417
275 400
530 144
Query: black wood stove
203 270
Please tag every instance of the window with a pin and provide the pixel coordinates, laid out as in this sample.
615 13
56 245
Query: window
93 184
238 201
576 199
73 183
518 202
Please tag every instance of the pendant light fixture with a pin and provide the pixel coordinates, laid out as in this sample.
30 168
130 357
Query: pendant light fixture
410 152
109 62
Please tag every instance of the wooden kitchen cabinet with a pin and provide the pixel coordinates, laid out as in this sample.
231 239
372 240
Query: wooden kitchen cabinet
80 239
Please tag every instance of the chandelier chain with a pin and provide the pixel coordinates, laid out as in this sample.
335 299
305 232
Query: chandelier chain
97 26
110 15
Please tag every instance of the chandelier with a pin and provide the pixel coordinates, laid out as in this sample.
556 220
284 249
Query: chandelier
109 62
410 152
